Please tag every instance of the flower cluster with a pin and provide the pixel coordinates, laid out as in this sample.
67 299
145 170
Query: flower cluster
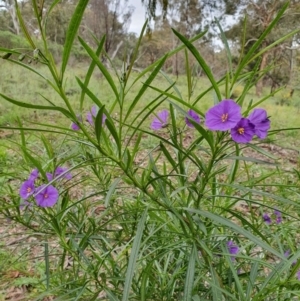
90 118
226 115
45 195
268 220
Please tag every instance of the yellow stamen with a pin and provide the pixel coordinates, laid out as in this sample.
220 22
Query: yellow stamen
241 131
224 117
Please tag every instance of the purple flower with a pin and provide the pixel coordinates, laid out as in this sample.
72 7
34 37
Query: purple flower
267 218
27 189
287 253
34 174
233 249
223 116
46 196
278 216
103 118
261 122
192 115
59 170
75 125
160 121
49 176
91 115
243 132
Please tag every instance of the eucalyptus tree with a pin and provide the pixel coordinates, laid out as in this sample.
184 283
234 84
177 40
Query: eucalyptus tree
259 15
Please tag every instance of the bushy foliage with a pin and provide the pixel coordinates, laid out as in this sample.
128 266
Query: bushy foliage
156 198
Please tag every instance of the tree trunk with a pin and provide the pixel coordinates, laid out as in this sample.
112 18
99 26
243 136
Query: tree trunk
12 11
263 64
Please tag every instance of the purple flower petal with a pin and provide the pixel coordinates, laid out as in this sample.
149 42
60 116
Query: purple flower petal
27 189
261 122
46 196
233 249
34 174
267 218
243 132
287 253
75 126
49 176
223 116
91 115
94 111
103 118
160 121
89 118
59 170
298 275
277 213
278 216
192 115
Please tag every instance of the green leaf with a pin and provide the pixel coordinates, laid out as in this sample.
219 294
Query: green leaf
145 86
249 159
190 274
111 127
252 280
11 51
72 32
87 91
90 72
201 61
134 256
226 222
188 74
136 50
38 107
195 38
102 68
98 123
23 26
227 48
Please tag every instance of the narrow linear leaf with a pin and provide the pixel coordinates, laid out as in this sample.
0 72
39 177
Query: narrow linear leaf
134 256
102 68
201 61
225 222
145 86
197 37
111 191
71 33
90 71
38 107
249 159
251 281
190 274
23 26
136 50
